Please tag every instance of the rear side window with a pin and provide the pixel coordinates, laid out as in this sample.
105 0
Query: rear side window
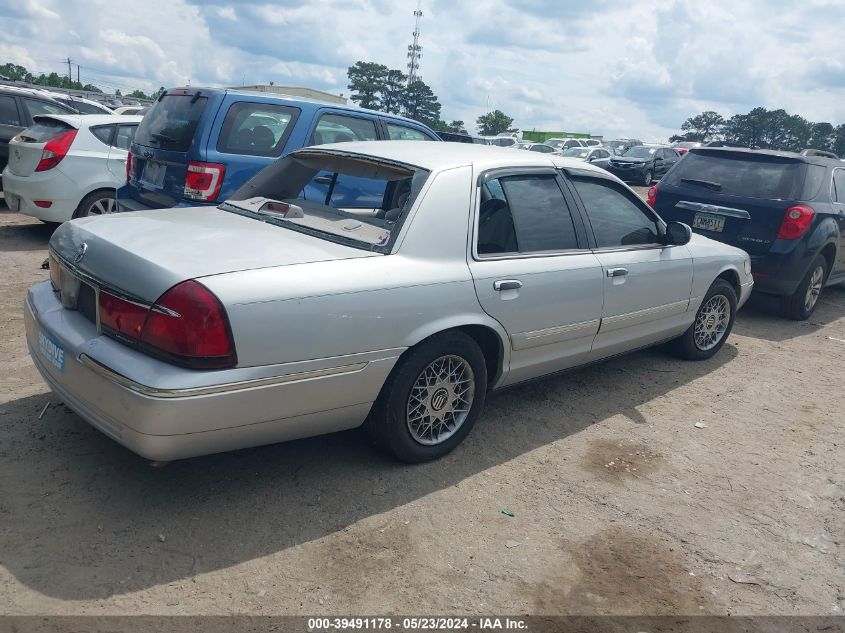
171 123
402 133
103 133
524 214
839 186
616 219
43 130
741 174
256 129
9 111
336 128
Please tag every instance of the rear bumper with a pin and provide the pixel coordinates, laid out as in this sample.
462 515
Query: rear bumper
172 420
52 185
125 202
781 269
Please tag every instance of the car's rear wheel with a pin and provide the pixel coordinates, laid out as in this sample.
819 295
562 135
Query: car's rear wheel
802 303
97 203
647 178
431 400
713 323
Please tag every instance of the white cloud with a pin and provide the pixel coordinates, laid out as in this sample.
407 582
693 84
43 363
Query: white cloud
637 68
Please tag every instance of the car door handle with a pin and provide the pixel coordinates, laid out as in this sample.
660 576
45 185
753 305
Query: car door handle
507 284
617 272
323 180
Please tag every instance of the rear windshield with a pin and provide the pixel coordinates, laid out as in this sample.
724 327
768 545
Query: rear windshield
257 129
170 124
746 175
276 196
43 130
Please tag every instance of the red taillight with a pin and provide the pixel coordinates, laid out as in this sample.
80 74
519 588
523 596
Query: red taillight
651 196
128 167
44 204
682 150
203 180
122 316
189 324
55 150
796 221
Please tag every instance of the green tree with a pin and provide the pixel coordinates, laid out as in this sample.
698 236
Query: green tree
420 103
392 90
702 127
456 127
822 136
367 82
138 94
493 123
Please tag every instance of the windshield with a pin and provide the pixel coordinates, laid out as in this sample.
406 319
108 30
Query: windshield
640 152
576 152
740 174
171 122
352 199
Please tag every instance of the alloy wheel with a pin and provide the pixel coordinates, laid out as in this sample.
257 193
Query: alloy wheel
101 206
814 288
712 322
440 400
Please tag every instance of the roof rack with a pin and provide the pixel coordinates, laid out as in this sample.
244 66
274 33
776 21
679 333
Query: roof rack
819 152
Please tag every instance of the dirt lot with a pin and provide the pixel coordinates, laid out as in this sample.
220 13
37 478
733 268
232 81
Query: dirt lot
621 504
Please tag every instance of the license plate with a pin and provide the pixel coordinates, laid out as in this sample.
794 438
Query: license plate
52 351
153 174
709 222
13 202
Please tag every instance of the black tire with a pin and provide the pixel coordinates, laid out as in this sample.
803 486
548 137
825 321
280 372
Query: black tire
388 424
84 208
795 306
647 178
686 345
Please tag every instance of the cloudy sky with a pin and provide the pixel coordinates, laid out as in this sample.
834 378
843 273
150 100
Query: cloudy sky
632 68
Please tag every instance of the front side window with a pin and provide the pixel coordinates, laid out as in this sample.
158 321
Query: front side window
8 111
337 128
617 220
256 129
402 133
524 214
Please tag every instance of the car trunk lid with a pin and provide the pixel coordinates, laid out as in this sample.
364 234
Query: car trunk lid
147 252
161 148
738 198
26 149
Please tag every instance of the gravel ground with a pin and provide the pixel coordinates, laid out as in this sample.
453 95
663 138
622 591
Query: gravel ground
621 505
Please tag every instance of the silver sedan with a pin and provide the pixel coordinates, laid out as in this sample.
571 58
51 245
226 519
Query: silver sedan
181 332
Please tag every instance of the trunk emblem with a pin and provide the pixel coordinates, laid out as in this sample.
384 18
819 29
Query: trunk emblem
80 252
148 154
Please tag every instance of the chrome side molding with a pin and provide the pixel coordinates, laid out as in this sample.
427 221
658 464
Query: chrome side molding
713 208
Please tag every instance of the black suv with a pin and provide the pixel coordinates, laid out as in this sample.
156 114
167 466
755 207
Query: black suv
643 164
786 210
17 107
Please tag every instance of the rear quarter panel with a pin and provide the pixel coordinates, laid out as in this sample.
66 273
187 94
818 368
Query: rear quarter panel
336 308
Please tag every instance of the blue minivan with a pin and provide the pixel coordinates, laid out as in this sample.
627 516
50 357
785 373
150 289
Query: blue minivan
199 145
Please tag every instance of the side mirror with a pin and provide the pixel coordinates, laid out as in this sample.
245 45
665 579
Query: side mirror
678 234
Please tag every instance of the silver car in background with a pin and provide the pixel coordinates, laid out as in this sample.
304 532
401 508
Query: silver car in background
181 332
598 156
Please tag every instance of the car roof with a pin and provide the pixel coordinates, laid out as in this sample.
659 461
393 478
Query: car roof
816 160
435 156
90 120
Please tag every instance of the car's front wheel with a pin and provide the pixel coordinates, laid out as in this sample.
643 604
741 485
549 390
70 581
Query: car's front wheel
713 323
96 203
431 399
802 303
647 178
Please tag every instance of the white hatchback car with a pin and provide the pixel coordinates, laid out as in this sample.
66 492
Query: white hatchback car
68 166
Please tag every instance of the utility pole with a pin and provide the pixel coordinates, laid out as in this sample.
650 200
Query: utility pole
415 50
77 76
69 73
